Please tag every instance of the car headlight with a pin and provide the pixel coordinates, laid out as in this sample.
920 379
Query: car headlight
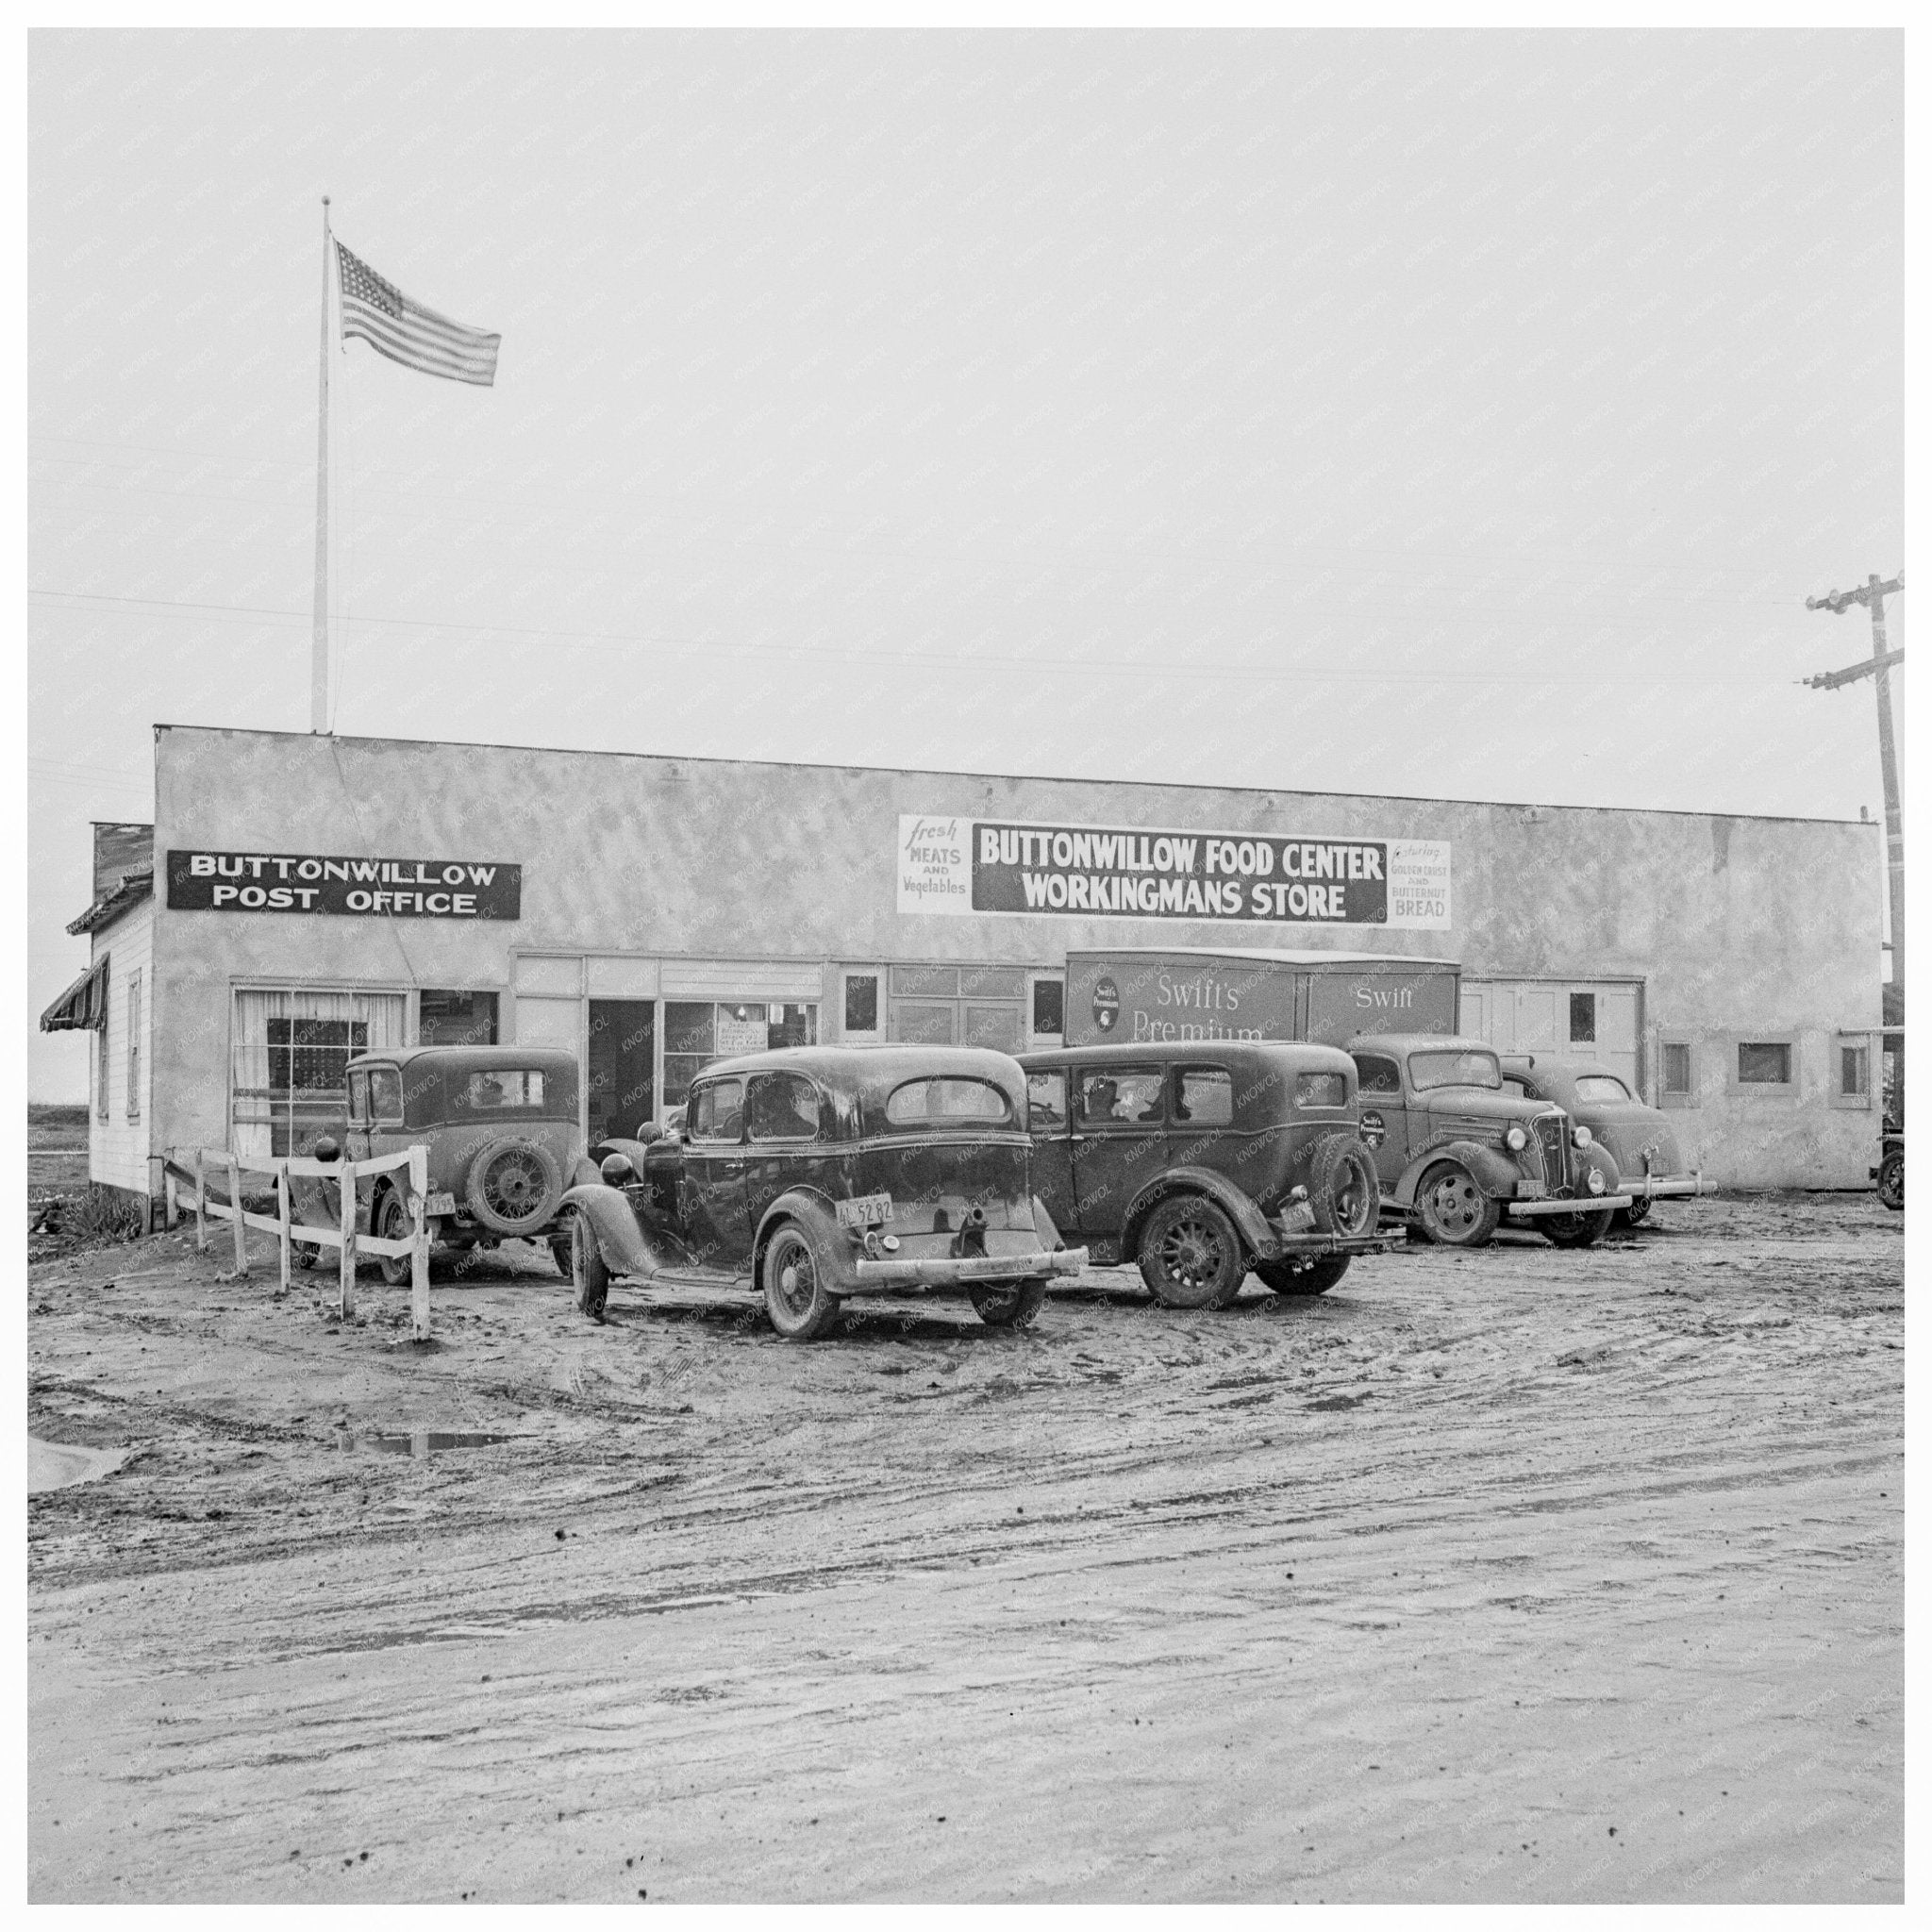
1595 1182
1516 1140
1582 1137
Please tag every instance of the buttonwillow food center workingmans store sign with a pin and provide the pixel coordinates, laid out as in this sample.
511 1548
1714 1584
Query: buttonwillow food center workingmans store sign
303 882
983 865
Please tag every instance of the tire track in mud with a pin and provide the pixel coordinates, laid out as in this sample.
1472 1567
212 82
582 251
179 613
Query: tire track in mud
1622 1453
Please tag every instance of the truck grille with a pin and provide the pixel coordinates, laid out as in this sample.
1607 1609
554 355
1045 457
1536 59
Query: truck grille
1552 1142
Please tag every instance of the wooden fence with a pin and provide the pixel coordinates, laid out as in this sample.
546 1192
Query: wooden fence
194 1167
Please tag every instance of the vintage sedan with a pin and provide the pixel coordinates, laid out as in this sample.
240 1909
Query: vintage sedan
1456 1150
501 1126
1638 1138
1201 1160
819 1174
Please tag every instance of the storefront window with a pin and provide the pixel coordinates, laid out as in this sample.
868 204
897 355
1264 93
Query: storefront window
292 1050
696 1032
457 1019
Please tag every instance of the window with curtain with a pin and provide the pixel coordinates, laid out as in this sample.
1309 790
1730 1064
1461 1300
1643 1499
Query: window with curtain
291 1051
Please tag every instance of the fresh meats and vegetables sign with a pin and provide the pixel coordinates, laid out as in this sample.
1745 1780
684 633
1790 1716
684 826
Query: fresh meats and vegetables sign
954 865
306 882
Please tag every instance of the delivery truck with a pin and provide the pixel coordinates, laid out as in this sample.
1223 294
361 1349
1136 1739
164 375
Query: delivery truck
1132 994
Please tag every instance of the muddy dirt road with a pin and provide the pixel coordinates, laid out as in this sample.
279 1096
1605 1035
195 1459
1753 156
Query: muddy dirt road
1515 1575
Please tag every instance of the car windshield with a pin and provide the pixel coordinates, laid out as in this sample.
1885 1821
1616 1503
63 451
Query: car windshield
1605 1089
947 1102
1454 1067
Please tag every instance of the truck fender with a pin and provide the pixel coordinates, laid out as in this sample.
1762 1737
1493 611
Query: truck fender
633 1151
626 1247
812 1210
1599 1157
1495 1173
1239 1207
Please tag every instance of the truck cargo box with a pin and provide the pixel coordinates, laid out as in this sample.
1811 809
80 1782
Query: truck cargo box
1200 992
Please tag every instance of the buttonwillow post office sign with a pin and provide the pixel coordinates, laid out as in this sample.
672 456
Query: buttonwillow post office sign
305 882
954 865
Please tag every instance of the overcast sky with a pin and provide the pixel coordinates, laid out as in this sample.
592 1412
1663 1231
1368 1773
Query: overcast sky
1451 414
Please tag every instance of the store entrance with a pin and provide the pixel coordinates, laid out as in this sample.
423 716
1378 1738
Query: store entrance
622 1036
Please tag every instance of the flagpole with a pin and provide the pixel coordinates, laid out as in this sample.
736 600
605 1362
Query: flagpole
318 676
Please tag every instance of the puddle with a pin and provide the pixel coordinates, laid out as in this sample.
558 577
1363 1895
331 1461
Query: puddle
431 1442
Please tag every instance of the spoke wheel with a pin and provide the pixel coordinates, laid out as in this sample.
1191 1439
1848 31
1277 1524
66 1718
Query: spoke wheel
1190 1255
800 1305
1455 1212
513 1187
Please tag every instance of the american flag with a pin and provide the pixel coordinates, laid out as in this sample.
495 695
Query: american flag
407 332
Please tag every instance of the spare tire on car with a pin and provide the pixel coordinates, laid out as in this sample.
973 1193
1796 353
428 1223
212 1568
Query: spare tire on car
513 1186
1343 1191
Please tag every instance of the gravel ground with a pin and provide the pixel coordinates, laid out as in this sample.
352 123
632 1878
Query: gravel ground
1515 1575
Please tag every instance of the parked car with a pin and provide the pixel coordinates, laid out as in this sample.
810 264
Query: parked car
825 1172
1638 1138
1891 1172
1202 1161
1456 1150
501 1126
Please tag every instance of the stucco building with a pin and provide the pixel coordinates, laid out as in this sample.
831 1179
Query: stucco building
302 897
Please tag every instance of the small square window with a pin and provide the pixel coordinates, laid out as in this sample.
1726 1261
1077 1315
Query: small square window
1764 1063
1582 1016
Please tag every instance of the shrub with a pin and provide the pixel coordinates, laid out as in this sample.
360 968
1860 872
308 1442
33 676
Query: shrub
102 1214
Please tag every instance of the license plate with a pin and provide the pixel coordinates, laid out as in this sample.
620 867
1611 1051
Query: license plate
867 1211
440 1203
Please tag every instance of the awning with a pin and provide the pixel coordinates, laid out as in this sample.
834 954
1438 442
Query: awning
84 1005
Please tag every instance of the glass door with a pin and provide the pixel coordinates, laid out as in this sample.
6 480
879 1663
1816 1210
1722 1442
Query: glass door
621 1041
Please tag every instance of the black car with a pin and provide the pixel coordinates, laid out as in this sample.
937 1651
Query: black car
1202 1160
824 1172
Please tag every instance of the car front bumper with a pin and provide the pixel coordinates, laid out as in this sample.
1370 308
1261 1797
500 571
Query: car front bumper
1654 1187
1569 1204
959 1270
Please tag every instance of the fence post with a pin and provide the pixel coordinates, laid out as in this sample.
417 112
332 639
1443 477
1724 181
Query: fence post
349 1307
419 1251
241 1226
200 1202
285 1214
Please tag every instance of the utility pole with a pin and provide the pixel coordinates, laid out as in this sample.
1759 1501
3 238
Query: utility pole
1872 595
